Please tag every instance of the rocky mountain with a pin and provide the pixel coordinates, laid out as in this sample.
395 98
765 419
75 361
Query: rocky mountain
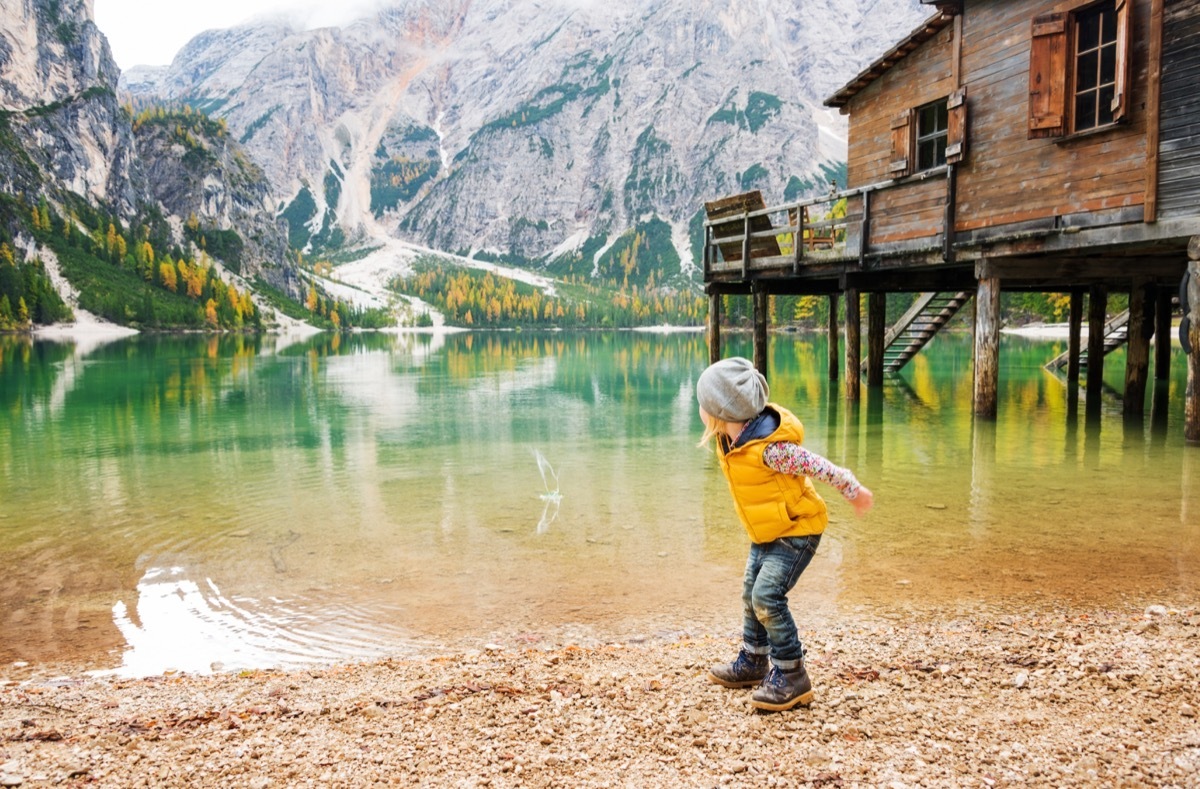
534 130
59 118
67 140
196 172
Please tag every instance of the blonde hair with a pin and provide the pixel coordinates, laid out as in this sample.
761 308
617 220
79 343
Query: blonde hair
713 428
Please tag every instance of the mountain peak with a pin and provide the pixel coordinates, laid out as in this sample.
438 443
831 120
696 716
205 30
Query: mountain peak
513 126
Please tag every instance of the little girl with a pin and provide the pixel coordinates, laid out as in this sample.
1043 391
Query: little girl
770 476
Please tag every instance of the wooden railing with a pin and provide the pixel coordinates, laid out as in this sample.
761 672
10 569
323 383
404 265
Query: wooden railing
741 239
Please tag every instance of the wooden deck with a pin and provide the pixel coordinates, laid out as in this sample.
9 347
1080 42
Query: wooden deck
976 166
752 248
890 241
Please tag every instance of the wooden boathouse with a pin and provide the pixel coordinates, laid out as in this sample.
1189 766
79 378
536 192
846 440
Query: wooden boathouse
1037 145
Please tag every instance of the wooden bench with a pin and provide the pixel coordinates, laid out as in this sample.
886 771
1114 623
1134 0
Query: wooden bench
727 218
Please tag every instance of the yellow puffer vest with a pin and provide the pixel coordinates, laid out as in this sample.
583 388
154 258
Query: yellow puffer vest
769 504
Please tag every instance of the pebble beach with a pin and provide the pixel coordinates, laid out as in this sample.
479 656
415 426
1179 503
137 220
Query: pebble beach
1038 697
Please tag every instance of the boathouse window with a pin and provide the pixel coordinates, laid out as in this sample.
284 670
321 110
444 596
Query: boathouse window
1079 69
932 122
1095 66
929 136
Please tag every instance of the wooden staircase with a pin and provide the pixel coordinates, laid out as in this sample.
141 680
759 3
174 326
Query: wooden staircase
917 326
1116 334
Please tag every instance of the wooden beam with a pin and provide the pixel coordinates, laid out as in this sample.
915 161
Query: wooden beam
834 355
729 288
746 248
1153 109
912 280
974 322
950 214
987 347
1079 233
1033 276
1162 334
1074 332
1137 355
708 252
1059 286
714 328
853 346
1097 317
1191 407
864 235
956 52
1076 270
761 319
876 327
797 287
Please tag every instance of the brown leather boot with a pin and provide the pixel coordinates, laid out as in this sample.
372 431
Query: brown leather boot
781 690
745 672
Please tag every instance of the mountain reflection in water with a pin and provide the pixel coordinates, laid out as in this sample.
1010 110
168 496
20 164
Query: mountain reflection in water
184 503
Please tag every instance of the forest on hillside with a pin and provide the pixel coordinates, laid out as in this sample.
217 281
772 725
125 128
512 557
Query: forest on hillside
134 275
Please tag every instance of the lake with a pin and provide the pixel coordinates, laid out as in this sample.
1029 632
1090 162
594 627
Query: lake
206 503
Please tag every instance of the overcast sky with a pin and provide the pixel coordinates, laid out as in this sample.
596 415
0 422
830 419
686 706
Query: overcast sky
142 33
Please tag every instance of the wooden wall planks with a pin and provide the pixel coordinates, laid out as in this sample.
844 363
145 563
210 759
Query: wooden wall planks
1008 177
1179 121
924 76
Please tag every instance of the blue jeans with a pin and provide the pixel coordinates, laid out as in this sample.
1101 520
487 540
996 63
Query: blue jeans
772 569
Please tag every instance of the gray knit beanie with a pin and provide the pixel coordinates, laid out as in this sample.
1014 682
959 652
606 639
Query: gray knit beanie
732 390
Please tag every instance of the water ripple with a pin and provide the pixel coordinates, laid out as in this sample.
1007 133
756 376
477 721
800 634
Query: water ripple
181 624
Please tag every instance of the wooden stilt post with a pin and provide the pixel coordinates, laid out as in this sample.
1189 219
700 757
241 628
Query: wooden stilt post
987 347
1191 408
1137 356
1162 334
714 327
1097 316
1075 332
853 345
1160 398
761 318
834 352
876 309
975 336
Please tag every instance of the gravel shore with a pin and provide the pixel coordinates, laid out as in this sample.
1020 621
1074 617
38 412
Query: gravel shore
1039 697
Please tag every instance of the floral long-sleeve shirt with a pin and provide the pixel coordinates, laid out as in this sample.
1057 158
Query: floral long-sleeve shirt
789 458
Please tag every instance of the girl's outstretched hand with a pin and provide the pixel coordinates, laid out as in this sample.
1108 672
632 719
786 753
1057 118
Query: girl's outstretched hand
863 501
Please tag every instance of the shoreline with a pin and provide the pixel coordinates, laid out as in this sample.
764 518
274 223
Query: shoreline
103 330
99 329
1044 696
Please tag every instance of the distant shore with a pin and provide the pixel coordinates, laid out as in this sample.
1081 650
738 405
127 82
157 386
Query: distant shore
91 327
82 329
1043 331
92 330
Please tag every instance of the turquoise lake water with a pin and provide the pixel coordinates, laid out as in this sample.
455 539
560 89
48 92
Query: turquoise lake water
197 503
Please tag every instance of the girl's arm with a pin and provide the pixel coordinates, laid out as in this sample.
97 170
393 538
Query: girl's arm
790 458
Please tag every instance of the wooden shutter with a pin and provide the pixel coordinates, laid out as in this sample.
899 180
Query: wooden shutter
956 130
1048 76
901 163
1120 102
